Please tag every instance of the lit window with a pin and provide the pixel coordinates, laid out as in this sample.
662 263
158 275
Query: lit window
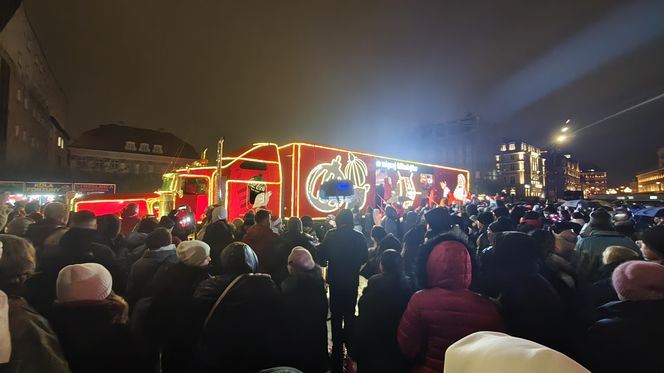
130 146
497 158
145 147
512 146
157 149
19 95
503 148
523 146
17 130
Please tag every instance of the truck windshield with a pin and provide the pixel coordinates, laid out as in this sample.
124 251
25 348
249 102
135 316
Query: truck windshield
167 183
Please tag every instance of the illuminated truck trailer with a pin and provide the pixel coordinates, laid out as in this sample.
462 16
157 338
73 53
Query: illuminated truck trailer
287 180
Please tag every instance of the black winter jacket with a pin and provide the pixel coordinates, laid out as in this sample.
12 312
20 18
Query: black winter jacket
344 251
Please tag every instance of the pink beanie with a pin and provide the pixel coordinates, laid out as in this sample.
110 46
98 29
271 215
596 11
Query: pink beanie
300 259
80 282
639 280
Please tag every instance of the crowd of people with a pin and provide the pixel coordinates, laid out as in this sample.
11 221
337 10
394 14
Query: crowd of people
506 287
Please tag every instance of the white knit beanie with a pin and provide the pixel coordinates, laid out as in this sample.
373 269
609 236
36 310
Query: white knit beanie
300 259
219 213
80 282
193 253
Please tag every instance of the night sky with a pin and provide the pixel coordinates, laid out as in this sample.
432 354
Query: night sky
363 74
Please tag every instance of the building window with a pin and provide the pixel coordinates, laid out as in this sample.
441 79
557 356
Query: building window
512 146
503 148
145 147
512 167
512 180
523 147
157 149
512 157
497 158
130 146
17 131
19 95
61 142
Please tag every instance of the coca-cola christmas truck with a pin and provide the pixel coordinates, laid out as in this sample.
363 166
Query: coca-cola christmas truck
294 180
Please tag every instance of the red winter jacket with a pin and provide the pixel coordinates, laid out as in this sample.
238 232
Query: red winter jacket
263 241
445 312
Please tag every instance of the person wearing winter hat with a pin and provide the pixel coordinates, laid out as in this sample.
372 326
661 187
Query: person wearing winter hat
629 337
344 251
591 247
374 343
218 234
500 353
90 321
247 317
532 218
34 346
305 303
160 253
652 246
193 253
432 321
439 221
578 218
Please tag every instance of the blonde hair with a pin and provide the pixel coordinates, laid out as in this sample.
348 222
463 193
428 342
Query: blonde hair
18 258
618 254
123 307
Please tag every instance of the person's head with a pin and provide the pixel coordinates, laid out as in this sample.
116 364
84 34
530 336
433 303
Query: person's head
501 211
237 223
219 213
307 222
83 282
344 218
502 224
377 234
498 352
130 211
32 207
618 254
545 239
391 262
444 262
565 242
147 225
517 213
249 218
471 209
83 219
484 219
516 253
294 225
565 215
264 217
108 226
17 263
19 226
57 212
300 260
439 219
637 280
193 253
600 219
238 258
158 238
653 244
532 218
167 223
390 243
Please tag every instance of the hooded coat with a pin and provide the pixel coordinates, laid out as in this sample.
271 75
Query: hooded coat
143 271
262 241
218 235
305 316
629 337
93 340
391 222
590 250
249 317
446 310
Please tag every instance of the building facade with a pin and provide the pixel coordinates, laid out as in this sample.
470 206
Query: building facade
32 105
563 175
457 143
652 181
593 181
521 169
134 158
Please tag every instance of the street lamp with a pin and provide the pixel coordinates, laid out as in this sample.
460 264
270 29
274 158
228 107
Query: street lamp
561 138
